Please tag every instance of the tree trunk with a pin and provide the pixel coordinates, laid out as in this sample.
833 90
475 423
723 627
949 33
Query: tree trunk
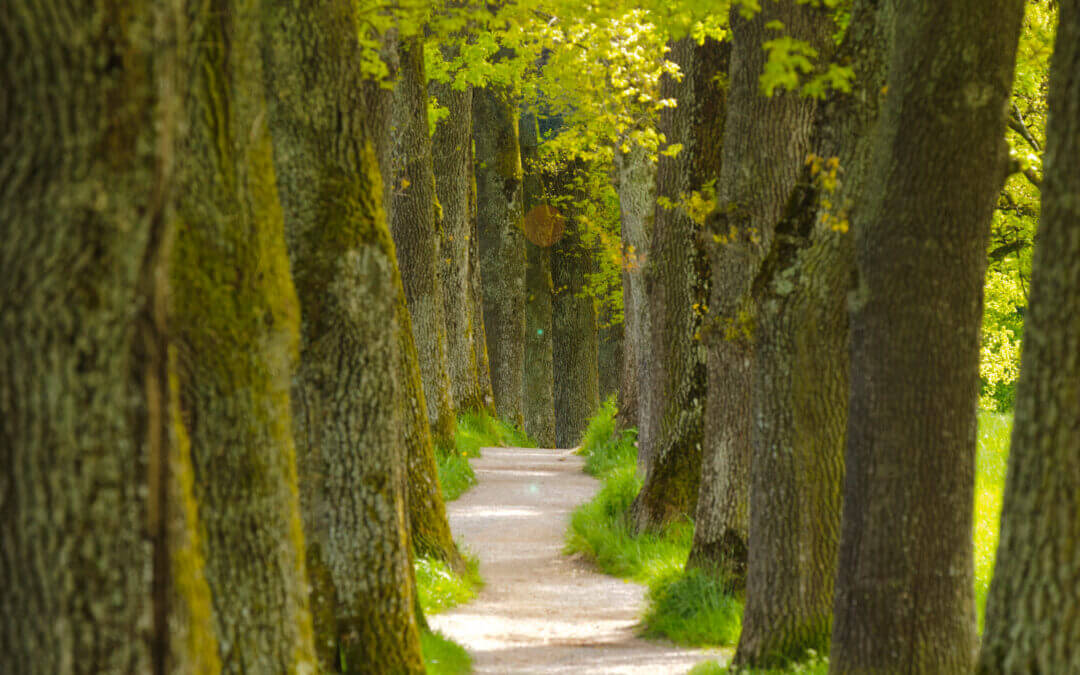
635 184
610 358
904 594
1031 621
574 330
801 365
416 236
100 559
347 415
452 159
502 246
678 287
236 333
539 372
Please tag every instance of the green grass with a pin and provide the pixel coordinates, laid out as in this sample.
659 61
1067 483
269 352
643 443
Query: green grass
443 656
440 588
474 431
813 664
691 609
995 432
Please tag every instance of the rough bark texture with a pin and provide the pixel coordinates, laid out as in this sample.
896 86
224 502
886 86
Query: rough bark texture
800 354
416 236
574 327
476 285
610 358
1032 625
502 246
635 184
100 560
678 289
452 159
236 332
347 417
904 593
539 373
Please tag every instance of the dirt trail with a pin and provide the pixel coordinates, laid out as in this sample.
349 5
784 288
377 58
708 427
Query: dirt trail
542 612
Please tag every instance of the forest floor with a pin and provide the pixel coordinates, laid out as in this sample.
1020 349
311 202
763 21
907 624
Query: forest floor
541 611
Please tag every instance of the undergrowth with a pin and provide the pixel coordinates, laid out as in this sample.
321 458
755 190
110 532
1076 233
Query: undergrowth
690 608
439 588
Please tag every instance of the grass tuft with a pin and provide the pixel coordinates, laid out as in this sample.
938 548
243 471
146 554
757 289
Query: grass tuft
693 609
439 588
443 656
811 664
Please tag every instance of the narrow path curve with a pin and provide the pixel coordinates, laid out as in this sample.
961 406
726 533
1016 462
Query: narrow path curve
541 611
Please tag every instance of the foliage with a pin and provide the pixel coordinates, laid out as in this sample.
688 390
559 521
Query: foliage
692 608
439 588
474 431
443 656
812 664
604 447
995 431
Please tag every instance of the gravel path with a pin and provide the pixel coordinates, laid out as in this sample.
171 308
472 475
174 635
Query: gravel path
541 611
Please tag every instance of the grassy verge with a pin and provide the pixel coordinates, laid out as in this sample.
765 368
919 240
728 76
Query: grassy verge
474 431
690 608
443 656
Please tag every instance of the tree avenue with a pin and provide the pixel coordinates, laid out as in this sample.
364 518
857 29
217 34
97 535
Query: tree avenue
273 270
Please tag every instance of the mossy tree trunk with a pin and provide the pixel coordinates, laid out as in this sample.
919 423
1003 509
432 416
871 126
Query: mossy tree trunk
347 412
501 259
101 559
236 322
635 184
1032 625
575 337
678 287
800 356
452 160
904 590
539 372
416 235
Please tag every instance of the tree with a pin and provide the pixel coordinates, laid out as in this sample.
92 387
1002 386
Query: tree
574 327
452 158
539 369
1031 622
611 353
416 235
635 183
678 284
99 527
236 332
904 590
325 119
799 387
501 258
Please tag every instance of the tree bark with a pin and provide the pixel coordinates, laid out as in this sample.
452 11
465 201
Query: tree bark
501 246
347 415
452 158
416 236
610 358
99 554
1031 621
904 594
678 288
635 184
575 340
801 355
236 334
539 371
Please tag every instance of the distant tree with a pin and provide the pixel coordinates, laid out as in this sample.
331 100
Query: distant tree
1031 619
501 260
904 587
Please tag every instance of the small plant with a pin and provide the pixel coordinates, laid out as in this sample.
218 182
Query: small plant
439 588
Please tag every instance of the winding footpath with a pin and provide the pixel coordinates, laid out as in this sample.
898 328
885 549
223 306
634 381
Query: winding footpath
541 611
